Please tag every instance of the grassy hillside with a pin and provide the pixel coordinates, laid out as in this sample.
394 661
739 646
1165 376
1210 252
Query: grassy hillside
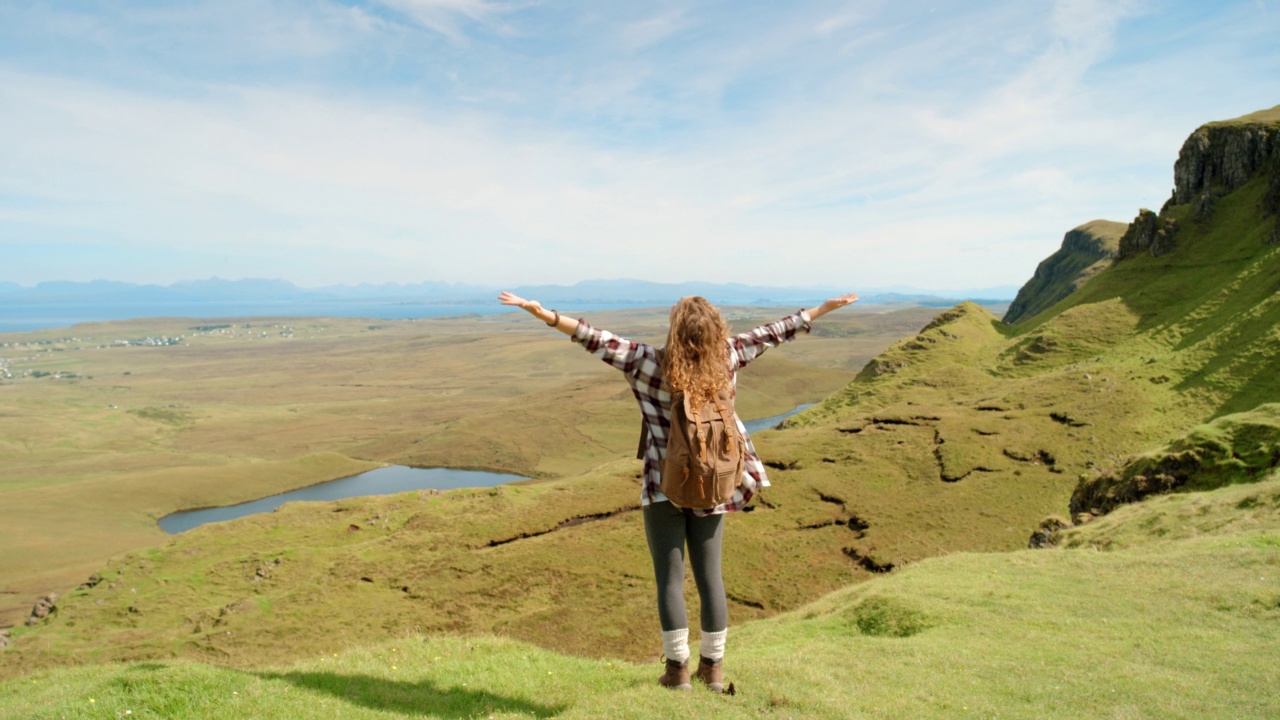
1178 616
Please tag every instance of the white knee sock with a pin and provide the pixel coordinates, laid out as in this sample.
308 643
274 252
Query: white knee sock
675 644
712 644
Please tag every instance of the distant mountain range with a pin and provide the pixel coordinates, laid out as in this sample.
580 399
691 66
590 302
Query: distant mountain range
624 291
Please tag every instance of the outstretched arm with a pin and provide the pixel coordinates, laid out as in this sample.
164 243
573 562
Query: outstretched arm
749 345
566 325
833 304
630 357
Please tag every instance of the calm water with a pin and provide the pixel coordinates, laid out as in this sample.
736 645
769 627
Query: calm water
383 481
24 317
754 426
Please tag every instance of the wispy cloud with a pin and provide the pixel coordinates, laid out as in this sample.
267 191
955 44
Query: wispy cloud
655 29
447 16
835 23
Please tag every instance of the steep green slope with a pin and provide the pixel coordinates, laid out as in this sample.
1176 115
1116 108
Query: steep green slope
1086 251
958 439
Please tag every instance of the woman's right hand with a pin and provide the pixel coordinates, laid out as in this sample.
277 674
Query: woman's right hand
834 303
838 302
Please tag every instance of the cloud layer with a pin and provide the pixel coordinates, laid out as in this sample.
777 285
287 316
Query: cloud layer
475 141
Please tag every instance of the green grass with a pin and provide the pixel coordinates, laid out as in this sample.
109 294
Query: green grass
1264 117
1155 627
961 437
1242 447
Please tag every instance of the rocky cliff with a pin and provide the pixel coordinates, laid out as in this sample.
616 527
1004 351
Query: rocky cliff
1149 233
1217 159
1086 251
1222 156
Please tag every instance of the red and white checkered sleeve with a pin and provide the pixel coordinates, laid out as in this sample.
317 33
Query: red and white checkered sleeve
619 352
749 345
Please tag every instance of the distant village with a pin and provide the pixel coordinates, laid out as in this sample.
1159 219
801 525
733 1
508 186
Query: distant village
35 351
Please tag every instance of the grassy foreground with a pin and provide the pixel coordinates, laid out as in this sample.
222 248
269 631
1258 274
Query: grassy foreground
1165 609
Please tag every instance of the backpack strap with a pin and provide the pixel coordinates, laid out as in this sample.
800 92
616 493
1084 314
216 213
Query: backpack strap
730 426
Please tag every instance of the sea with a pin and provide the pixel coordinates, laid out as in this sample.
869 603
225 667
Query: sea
26 317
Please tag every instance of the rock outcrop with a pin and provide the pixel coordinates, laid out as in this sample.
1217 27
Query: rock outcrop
1242 447
1215 160
1271 201
1223 156
1048 534
1086 251
1149 233
44 607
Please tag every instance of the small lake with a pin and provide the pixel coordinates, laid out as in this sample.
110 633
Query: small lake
383 481
755 426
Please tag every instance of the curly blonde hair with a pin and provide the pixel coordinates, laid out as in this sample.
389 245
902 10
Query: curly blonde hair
695 359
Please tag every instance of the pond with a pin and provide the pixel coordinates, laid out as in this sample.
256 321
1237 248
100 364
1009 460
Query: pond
755 426
383 481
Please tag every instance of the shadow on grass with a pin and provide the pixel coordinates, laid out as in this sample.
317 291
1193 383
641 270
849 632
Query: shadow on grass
412 698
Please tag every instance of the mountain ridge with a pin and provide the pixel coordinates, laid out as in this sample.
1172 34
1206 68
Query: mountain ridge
1085 252
589 291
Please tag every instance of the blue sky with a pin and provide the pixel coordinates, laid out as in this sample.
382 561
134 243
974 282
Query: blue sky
864 144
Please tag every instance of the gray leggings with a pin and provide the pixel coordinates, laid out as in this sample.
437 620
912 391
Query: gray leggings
668 527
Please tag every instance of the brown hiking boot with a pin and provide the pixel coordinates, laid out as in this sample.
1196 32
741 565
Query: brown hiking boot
711 672
676 677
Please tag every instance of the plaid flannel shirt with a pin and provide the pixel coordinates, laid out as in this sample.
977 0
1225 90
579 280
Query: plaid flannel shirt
640 364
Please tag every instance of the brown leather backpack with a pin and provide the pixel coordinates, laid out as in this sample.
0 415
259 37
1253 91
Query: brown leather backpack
705 453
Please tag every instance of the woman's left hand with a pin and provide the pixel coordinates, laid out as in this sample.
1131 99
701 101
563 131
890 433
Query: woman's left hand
513 299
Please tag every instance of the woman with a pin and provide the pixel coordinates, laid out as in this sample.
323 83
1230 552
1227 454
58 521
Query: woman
699 358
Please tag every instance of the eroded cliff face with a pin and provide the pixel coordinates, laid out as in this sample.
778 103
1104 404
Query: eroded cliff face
1217 159
1149 233
1221 157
